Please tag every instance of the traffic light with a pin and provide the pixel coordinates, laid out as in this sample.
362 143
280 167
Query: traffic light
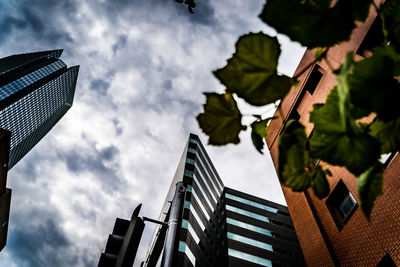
123 243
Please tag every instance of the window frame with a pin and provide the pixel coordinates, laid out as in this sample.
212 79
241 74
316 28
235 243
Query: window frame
335 199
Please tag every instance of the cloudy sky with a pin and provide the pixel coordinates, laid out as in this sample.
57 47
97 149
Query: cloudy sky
143 68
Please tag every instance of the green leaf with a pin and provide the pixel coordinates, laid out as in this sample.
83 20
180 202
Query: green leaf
258 133
388 134
319 183
372 85
331 142
251 72
370 186
327 116
221 119
390 14
293 157
343 90
315 23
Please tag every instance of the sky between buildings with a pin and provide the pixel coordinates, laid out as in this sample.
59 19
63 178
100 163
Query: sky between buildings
144 66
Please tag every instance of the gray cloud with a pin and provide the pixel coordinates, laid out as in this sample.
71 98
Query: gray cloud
103 163
100 85
120 43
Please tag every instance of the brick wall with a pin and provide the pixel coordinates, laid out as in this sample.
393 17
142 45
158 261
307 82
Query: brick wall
361 242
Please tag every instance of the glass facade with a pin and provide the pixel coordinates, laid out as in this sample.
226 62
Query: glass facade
249 226
251 203
249 257
185 249
247 213
33 103
249 241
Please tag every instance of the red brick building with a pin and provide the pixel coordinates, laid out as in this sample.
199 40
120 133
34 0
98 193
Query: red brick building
334 231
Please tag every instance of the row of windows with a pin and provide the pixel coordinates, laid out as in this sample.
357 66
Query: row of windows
212 170
196 216
203 209
191 174
29 79
249 257
247 213
185 249
208 187
186 224
249 241
203 192
249 227
251 203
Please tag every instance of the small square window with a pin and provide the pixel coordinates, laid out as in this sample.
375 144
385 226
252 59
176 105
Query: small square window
313 79
373 38
341 204
386 262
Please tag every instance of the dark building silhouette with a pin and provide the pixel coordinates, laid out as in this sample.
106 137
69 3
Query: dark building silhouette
334 231
5 193
36 90
219 226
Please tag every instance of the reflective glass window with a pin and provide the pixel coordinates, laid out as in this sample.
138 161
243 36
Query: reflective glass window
249 257
249 227
185 249
247 213
251 203
187 204
249 241
196 197
195 215
190 161
193 234
205 196
188 173
212 177
212 170
191 150
185 224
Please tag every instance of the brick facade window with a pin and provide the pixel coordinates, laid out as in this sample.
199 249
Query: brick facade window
386 262
341 204
373 38
313 79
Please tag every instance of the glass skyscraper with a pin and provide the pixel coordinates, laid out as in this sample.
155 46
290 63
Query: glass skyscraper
220 226
36 90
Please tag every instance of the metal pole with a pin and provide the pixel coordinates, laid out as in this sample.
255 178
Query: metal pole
173 227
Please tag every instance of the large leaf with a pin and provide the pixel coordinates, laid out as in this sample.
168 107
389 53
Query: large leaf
315 23
251 72
370 186
388 134
327 116
319 183
221 119
372 85
343 91
390 14
258 133
351 147
293 157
